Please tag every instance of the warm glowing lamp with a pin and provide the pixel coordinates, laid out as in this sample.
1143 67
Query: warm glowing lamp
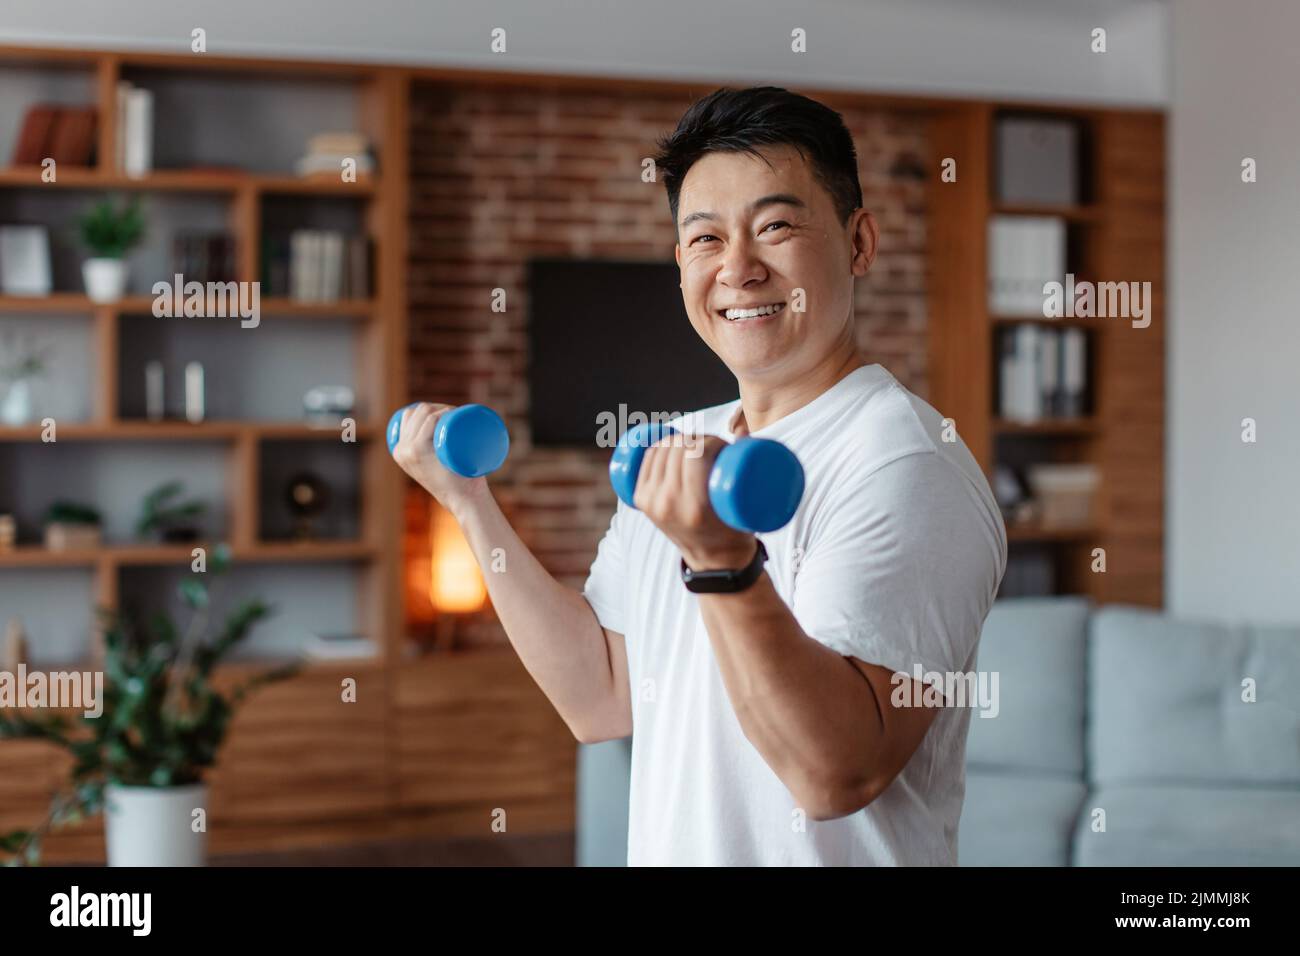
455 583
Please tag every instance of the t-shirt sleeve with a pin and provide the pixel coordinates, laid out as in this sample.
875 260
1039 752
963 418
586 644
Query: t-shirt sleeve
901 567
607 579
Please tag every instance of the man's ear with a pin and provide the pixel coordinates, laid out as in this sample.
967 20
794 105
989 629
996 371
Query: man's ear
865 235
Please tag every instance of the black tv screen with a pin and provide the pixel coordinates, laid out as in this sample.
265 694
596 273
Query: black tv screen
608 333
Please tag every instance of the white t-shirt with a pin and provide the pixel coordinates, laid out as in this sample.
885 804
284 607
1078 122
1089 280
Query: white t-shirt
894 557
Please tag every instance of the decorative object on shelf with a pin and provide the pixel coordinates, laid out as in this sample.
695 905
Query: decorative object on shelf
70 525
336 647
325 406
308 497
25 260
327 154
8 533
24 362
134 130
194 399
456 585
142 762
167 520
155 397
110 234
1037 161
1064 493
15 645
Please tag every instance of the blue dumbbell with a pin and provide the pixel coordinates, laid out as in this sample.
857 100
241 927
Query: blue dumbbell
470 440
755 484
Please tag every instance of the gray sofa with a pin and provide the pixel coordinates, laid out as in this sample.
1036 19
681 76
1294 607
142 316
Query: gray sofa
1122 738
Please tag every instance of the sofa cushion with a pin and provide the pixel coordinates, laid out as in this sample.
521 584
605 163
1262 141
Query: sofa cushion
1165 701
1171 825
1021 820
1036 647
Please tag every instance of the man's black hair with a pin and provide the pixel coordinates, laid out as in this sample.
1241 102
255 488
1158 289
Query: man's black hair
741 121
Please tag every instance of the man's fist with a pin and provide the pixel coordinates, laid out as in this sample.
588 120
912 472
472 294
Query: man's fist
414 453
672 490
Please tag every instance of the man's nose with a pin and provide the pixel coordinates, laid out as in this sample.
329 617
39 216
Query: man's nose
741 265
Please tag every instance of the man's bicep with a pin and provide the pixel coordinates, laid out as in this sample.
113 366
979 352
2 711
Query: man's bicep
903 727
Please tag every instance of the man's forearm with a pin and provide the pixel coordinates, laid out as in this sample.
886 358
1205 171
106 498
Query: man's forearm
801 704
552 628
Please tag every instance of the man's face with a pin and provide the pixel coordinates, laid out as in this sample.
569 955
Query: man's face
767 231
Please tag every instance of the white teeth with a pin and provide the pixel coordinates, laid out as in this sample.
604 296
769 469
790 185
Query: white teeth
733 314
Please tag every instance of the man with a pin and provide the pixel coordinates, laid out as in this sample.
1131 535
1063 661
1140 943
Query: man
772 722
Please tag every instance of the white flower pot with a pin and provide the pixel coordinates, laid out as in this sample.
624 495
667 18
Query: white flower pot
155 826
105 279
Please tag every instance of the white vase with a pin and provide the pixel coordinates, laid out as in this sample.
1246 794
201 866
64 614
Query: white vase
16 407
155 826
105 279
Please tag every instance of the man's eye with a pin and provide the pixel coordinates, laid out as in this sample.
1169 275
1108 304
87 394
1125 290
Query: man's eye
779 222
705 236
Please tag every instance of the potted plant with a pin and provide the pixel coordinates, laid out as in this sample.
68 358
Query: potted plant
109 233
142 760
69 525
168 520
16 375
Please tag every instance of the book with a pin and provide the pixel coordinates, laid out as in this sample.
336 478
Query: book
34 138
72 142
137 133
1025 253
1074 372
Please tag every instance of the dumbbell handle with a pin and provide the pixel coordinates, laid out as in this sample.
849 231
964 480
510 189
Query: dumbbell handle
755 484
470 440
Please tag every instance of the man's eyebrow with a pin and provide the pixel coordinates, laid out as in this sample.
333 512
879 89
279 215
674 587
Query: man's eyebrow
775 199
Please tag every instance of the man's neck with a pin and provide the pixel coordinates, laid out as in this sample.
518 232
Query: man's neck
762 404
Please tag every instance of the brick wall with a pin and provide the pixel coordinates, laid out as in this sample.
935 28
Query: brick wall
499 174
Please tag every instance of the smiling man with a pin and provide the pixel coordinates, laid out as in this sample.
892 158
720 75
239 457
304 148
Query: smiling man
771 723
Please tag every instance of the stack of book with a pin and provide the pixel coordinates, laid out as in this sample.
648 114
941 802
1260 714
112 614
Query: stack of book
1042 373
1025 253
314 265
65 134
327 154
204 257
134 130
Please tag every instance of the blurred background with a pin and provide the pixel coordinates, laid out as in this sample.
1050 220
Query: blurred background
449 202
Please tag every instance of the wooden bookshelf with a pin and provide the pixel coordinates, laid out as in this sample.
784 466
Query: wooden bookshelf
299 768
1117 235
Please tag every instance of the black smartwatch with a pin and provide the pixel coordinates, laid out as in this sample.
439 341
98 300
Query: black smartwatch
725 581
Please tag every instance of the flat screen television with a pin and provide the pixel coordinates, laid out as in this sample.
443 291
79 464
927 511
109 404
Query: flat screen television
606 333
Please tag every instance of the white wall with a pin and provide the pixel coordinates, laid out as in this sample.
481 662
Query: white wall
1233 508
1004 48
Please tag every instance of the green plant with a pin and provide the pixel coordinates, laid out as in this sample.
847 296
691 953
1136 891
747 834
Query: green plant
159 513
111 233
163 721
70 512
